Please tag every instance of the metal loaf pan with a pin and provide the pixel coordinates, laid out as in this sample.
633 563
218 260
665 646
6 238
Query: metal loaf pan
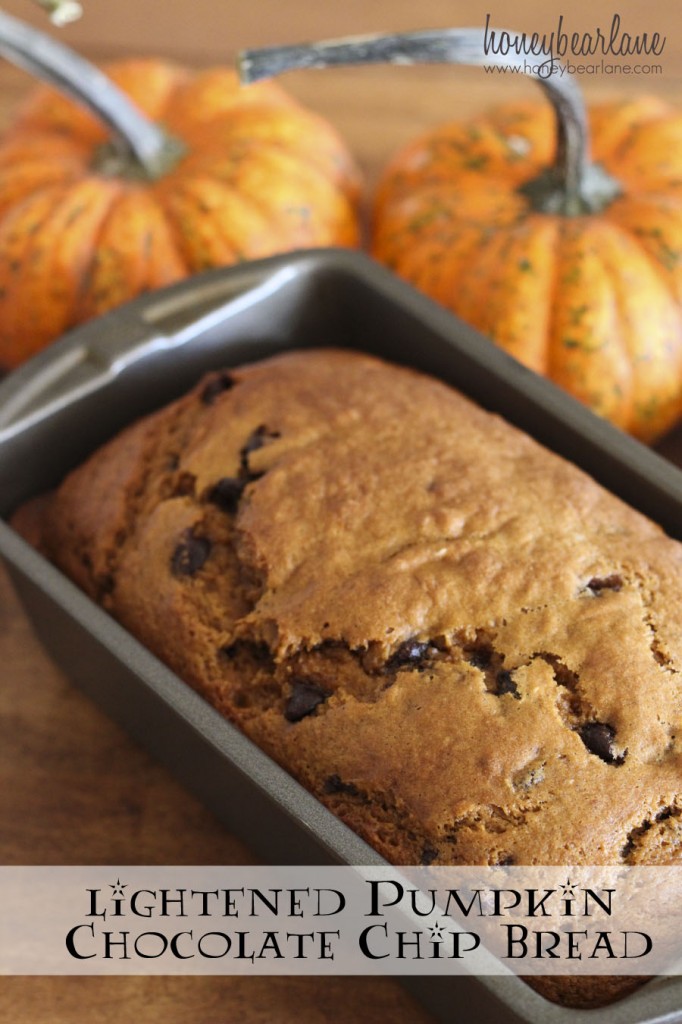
73 396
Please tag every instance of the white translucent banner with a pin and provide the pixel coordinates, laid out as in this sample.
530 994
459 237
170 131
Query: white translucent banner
340 920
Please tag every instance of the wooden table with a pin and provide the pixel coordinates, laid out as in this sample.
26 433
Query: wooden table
73 788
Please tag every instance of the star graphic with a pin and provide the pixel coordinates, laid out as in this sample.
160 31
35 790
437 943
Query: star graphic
568 889
117 888
436 932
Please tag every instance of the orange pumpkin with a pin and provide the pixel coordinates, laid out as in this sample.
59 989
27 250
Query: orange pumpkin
592 299
82 228
572 264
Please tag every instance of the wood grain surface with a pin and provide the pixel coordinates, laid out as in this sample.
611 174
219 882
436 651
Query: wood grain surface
73 788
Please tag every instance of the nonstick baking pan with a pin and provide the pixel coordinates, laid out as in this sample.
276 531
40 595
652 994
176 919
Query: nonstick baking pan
80 391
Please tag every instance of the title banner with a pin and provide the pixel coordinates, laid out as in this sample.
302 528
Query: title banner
340 920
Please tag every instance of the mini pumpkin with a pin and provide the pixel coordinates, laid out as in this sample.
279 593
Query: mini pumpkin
570 262
85 226
591 298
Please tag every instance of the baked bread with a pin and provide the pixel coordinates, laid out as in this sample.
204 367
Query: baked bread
458 641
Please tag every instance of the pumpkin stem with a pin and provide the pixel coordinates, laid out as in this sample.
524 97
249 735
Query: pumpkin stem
61 12
570 187
138 137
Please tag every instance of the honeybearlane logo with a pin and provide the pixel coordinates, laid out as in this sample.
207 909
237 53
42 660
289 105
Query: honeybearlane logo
564 50
340 920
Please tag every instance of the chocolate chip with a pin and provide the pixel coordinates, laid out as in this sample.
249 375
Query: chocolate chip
190 554
504 860
598 738
334 784
215 387
599 583
428 856
629 848
483 656
184 485
256 652
504 683
258 439
105 584
303 700
227 493
410 654
480 657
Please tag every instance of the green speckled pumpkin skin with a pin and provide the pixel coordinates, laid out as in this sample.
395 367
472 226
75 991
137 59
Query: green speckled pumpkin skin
80 234
593 301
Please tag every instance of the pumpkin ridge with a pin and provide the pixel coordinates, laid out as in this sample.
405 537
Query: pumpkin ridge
48 112
510 268
290 168
343 177
552 305
88 257
15 237
657 208
44 176
229 186
176 232
476 281
619 154
443 272
185 106
397 182
43 305
19 146
440 210
532 276
179 198
106 271
658 405
170 227
155 197
265 213
269 215
324 152
303 170
662 410
588 349
633 236
609 150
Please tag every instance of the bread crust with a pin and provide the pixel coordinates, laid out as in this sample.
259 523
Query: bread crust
458 641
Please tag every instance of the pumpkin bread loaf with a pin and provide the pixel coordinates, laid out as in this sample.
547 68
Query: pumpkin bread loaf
458 641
